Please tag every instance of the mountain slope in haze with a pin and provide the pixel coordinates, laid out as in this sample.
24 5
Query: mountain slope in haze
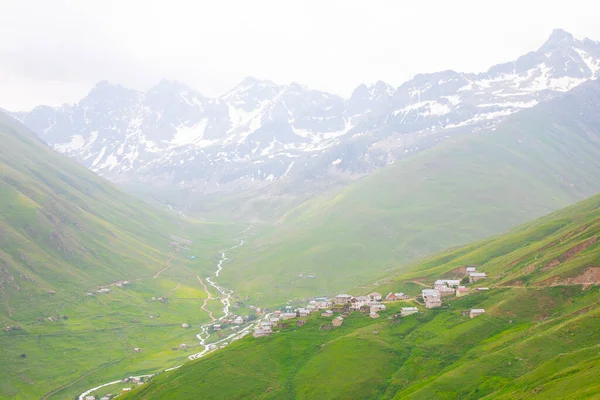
538 338
465 189
66 234
260 132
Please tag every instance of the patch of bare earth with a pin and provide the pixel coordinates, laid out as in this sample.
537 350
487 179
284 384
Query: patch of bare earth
456 273
589 277
570 253
567 236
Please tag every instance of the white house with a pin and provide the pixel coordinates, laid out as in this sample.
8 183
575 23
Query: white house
260 332
432 298
303 312
430 293
360 301
446 282
475 312
406 311
375 296
471 269
377 307
286 315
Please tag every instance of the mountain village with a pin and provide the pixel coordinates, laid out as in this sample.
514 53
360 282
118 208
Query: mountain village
372 304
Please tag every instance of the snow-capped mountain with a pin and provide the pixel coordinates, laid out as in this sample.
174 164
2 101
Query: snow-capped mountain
261 131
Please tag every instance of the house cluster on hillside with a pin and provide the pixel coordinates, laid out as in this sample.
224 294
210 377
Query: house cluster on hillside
450 287
341 304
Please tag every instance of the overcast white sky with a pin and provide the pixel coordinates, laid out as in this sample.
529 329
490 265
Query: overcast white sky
54 51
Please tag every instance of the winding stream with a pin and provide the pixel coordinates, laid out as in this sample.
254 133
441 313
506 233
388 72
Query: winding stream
204 335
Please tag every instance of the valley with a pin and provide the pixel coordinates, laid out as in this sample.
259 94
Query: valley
145 234
538 337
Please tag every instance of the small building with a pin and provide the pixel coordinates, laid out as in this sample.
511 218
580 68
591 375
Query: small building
90 398
375 296
462 291
406 311
274 319
185 326
471 269
303 312
312 308
288 315
300 322
327 313
476 276
475 312
339 307
238 320
373 315
432 298
217 327
377 307
105 398
401 296
358 302
430 293
342 299
266 324
260 332
482 289
447 291
337 321
125 390
433 302
183 346
447 282
391 297
323 304
137 349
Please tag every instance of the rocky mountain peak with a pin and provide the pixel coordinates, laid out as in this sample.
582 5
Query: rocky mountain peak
558 38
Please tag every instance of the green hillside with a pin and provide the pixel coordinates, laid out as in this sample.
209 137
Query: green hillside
538 339
464 189
65 233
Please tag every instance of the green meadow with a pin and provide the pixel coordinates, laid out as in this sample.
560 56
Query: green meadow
538 338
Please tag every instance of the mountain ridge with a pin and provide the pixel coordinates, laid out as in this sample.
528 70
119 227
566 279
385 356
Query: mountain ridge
259 132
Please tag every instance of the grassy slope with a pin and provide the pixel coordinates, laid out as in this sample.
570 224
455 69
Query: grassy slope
536 340
465 189
65 230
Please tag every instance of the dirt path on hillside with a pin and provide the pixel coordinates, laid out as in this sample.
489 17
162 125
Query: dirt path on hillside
171 255
208 297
